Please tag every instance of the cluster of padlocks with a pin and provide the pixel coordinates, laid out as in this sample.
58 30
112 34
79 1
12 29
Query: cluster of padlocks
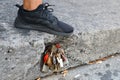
54 58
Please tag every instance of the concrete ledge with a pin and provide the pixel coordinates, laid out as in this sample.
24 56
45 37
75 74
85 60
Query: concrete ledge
97 30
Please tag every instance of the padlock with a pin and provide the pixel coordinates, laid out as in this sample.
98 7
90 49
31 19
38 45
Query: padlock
54 60
60 50
60 61
63 57
49 60
45 57
45 68
58 55
53 49
57 45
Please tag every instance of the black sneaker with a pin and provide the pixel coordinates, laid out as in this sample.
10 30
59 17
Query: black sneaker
41 19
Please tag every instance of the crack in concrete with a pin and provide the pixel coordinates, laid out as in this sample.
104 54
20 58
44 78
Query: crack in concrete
71 68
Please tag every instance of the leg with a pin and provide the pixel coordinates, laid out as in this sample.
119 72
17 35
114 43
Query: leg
31 4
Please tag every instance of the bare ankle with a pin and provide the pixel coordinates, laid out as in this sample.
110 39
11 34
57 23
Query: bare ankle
31 4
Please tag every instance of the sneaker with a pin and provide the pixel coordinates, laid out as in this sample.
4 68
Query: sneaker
41 19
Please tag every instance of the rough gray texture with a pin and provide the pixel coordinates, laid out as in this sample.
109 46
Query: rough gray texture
97 30
93 72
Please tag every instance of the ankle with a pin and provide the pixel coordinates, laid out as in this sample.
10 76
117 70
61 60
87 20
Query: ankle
30 6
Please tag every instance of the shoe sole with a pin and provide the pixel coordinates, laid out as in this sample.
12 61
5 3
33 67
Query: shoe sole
22 25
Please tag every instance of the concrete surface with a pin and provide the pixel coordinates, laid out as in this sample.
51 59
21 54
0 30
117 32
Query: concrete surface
107 70
97 30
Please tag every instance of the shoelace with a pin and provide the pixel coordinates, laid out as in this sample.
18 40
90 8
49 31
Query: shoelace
47 12
46 5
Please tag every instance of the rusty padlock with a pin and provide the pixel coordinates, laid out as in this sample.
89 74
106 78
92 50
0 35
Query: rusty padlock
49 60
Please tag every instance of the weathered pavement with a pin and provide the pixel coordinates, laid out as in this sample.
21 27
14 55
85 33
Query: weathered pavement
97 30
107 70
